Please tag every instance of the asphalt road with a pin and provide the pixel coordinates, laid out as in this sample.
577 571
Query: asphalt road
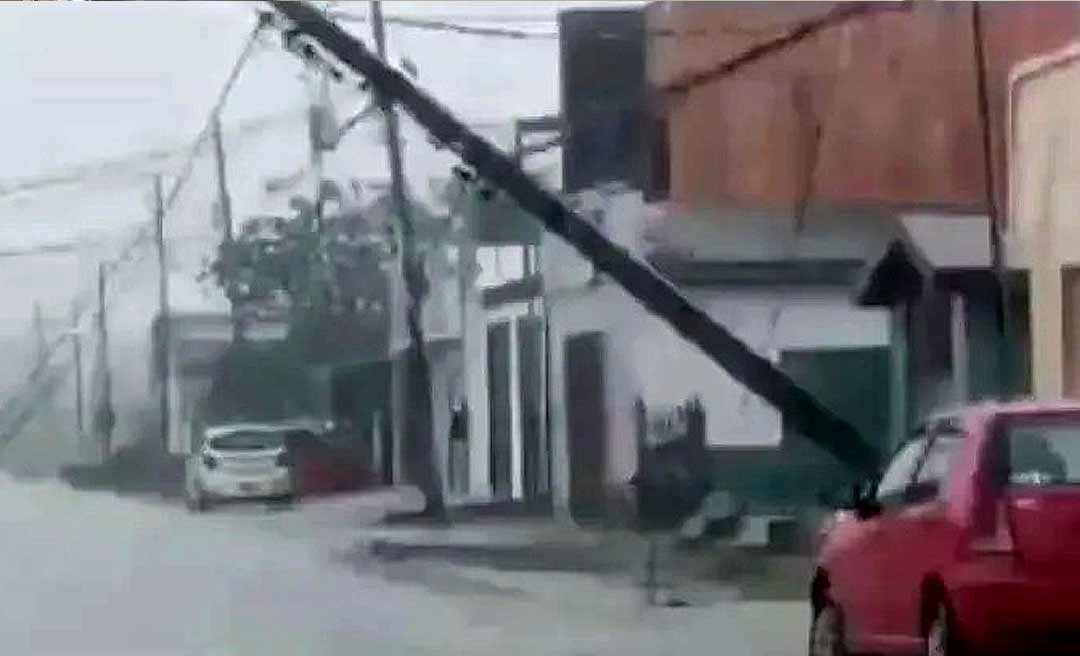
94 573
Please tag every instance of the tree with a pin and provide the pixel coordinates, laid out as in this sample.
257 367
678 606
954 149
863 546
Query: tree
324 278
285 267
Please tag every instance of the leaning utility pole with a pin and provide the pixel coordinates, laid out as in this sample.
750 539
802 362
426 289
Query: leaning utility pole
801 410
419 447
163 310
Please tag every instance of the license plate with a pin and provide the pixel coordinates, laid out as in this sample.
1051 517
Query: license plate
249 487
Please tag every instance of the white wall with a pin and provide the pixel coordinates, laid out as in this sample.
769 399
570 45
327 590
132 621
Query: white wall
1044 230
645 357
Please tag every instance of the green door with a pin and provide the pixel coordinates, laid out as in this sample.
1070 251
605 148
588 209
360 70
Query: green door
854 384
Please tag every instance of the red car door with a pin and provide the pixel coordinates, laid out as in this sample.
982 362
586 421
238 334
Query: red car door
850 563
858 564
918 541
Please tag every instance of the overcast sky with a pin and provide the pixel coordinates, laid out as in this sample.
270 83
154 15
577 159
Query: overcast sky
90 82
86 82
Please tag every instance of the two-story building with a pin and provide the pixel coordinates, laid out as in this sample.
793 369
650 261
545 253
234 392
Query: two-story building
826 203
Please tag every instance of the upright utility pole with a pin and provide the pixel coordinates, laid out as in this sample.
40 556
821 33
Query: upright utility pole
76 345
419 445
163 309
224 202
104 416
225 205
40 342
323 100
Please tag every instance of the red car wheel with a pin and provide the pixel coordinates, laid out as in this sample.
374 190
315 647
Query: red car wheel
827 632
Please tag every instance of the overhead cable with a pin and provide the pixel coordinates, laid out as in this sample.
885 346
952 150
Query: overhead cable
445 26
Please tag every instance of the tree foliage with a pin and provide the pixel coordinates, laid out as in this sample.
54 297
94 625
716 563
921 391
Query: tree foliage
281 265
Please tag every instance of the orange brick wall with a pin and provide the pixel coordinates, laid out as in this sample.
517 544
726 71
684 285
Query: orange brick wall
893 94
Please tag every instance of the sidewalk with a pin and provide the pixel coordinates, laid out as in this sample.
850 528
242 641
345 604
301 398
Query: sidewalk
702 575
513 544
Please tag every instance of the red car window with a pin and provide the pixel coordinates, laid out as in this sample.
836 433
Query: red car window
900 472
938 459
1044 453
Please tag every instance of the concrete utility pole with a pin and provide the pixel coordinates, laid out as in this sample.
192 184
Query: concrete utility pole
104 416
163 309
419 445
40 342
224 201
225 206
655 293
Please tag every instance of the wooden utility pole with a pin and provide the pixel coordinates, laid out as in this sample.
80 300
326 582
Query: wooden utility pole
657 295
163 310
419 447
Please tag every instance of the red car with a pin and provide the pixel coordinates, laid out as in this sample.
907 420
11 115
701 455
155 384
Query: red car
325 464
968 544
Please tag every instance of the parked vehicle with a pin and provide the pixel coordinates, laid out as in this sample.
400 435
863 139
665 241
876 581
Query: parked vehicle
243 461
968 544
327 462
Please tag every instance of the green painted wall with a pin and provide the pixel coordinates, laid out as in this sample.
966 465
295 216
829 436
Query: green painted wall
855 384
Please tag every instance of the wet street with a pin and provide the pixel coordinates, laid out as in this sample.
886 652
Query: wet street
95 573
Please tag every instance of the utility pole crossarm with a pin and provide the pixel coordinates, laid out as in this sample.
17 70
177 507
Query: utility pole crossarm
803 412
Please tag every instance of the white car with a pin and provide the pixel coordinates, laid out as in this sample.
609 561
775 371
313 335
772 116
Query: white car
242 461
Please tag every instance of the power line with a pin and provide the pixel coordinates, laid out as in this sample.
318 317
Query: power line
658 296
215 110
134 165
798 33
60 248
446 26
451 17
11 426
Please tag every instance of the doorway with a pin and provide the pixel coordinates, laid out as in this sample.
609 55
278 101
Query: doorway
530 342
500 410
360 404
586 423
